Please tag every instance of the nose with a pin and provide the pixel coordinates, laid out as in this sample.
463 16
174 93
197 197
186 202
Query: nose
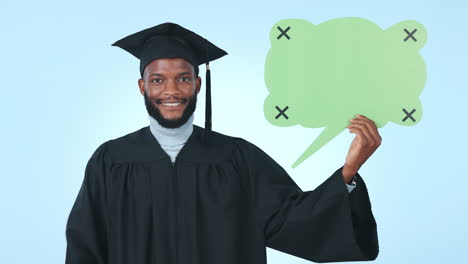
171 88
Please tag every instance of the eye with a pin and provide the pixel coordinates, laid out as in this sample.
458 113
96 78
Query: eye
156 80
185 79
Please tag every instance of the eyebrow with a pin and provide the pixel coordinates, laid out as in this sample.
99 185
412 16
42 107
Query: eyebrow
182 73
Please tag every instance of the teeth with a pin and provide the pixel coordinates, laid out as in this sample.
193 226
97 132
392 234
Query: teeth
171 104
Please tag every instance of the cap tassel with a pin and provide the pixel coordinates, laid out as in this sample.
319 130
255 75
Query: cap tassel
208 100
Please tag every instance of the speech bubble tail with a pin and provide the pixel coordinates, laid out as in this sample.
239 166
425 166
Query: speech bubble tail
327 134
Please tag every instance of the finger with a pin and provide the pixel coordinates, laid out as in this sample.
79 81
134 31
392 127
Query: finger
358 130
363 122
358 116
362 132
372 128
367 137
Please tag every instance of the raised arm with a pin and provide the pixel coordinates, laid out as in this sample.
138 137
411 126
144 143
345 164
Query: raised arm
327 224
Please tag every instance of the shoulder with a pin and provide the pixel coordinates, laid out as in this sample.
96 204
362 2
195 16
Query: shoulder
217 140
212 147
209 146
131 146
239 147
134 137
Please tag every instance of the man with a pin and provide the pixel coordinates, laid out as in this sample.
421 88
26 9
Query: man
173 192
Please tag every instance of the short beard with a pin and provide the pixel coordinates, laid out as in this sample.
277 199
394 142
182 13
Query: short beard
156 114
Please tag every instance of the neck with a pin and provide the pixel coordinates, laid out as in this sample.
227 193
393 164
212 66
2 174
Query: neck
171 136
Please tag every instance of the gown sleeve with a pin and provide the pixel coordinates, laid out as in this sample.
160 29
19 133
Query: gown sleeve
327 224
351 186
86 226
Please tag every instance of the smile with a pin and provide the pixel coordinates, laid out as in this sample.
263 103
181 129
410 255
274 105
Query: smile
171 104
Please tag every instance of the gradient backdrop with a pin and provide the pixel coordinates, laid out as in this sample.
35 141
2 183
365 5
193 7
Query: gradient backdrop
65 90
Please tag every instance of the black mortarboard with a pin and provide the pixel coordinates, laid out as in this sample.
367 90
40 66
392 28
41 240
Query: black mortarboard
169 40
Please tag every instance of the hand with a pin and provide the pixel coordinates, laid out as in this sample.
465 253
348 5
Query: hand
365 143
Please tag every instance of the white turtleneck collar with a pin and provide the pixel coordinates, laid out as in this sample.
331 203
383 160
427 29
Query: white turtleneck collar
171 139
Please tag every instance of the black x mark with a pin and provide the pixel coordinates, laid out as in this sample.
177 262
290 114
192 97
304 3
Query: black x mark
281 112
283 32
410 35
408 115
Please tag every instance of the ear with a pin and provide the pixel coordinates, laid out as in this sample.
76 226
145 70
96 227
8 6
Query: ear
409 34
141 85
198 84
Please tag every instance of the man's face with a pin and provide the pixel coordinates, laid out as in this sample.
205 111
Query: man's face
170 88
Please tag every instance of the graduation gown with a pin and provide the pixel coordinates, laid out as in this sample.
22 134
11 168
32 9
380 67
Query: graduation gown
224 200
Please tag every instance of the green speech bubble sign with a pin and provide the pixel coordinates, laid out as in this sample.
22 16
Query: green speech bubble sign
322 75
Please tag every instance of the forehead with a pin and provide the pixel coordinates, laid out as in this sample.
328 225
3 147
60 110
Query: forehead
169 65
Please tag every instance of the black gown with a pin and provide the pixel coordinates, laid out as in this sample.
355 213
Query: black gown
222 202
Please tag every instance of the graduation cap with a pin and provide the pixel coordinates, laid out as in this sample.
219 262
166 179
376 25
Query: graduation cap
170 40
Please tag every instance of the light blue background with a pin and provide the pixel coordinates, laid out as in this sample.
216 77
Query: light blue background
65 90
